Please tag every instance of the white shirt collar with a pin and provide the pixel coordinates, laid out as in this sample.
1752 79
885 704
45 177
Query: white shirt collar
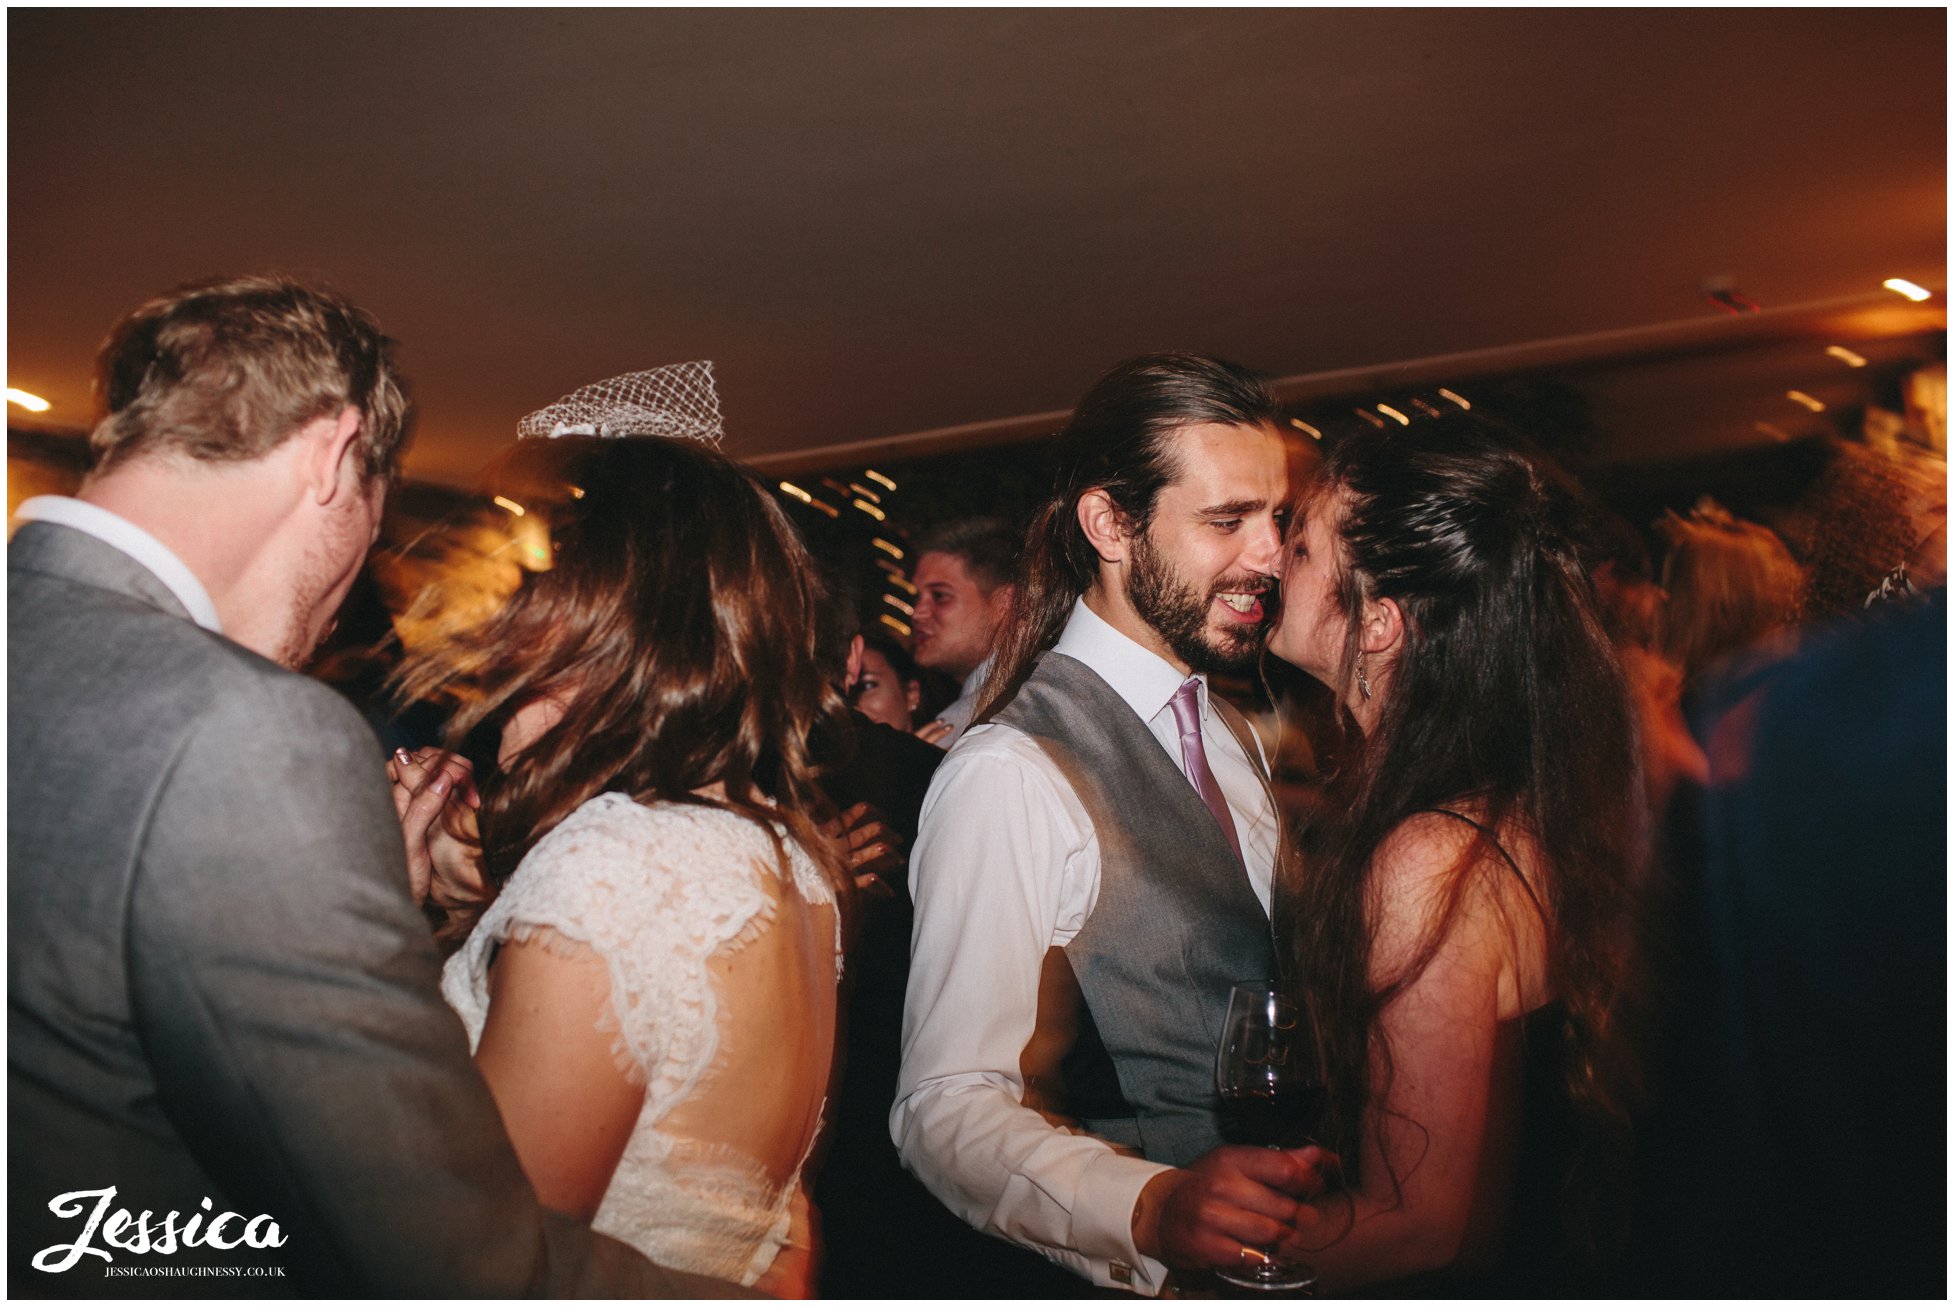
977 675
1145 680
122 534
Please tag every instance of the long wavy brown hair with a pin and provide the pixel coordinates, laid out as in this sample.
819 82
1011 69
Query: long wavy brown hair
1506 701
676 630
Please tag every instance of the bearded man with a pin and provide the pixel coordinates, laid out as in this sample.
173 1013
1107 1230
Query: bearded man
1094 866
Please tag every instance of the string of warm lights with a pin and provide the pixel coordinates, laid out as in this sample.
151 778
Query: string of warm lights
1852 359
1407 409
867 494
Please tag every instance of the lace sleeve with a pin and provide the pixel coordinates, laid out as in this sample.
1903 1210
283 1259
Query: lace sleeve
655 892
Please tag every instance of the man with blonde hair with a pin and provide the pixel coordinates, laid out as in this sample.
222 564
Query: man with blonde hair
223 1006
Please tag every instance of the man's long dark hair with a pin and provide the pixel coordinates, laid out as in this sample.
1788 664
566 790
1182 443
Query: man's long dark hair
1119 440
677 626
1506 701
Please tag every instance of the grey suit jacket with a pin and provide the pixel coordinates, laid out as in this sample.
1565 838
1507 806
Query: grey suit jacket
218 987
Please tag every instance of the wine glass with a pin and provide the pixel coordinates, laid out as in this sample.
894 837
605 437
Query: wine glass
1269 1072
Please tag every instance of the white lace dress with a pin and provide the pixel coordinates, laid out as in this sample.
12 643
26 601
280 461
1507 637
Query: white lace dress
734 1058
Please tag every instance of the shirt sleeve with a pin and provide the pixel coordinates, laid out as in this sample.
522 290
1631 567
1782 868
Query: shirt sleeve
1003 870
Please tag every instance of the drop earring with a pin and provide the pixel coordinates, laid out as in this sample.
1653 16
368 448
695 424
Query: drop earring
1363 681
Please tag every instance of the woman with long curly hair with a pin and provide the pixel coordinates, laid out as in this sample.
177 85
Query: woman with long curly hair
651 990
1457 923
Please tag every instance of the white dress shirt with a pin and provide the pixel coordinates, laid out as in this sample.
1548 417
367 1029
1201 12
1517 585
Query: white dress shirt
1006 867
120 533
957 716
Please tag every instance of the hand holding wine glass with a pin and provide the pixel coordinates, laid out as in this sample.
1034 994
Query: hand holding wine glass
1269 1072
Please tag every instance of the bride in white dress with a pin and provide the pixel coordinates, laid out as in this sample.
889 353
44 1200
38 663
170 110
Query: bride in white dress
651 993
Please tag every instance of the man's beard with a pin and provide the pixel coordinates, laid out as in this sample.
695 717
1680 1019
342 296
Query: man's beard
1178 613
298 646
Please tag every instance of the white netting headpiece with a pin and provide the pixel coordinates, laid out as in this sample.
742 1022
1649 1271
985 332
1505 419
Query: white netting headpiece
678 400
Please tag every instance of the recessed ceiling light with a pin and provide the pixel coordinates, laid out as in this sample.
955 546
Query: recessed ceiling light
31 402
1901 286
1846 356
1800 397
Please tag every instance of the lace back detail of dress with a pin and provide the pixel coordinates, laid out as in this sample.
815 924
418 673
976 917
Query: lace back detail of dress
660 892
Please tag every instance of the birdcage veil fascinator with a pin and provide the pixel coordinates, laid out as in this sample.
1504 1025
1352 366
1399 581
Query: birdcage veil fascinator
678 401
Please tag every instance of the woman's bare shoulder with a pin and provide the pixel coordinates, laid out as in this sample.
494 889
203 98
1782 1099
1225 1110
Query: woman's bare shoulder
1428 849
1438 874
1421 855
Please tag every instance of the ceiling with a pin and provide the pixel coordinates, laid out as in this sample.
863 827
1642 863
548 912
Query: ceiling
882 224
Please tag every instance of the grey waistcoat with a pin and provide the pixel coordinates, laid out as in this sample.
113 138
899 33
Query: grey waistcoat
1176 923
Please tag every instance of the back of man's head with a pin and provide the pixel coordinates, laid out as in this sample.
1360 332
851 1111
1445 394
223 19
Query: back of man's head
225 370
1120 440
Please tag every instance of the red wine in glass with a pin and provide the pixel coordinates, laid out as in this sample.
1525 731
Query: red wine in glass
1285 1116
1269 1074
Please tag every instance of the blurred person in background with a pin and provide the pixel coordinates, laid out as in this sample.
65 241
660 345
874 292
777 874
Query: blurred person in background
220 993
1798 1142
887 689
964 591
1731 587
1460 924
650 993
1631 605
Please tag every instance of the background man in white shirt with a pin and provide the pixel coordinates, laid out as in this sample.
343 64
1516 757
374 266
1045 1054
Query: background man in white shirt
1106 825
963 596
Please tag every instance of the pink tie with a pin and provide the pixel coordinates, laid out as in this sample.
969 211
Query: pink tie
1194 759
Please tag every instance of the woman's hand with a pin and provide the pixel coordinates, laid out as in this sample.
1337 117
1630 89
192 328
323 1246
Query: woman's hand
435 799
873 850
1230 1202
933 732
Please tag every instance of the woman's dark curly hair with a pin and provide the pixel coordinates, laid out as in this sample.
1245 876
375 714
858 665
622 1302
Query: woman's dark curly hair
1505 699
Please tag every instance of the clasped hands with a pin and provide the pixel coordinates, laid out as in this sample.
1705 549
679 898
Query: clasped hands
1204 1214
435 799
